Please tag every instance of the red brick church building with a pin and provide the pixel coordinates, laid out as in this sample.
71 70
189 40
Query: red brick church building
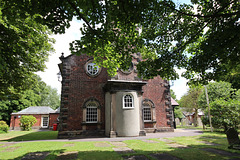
94 104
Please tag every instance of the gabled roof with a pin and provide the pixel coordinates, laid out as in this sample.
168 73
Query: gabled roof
173 102
36 110
56 110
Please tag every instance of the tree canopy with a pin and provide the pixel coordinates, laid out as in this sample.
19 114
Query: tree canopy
190 101
39 95
217 90
202 37
24 45
173 95
224 105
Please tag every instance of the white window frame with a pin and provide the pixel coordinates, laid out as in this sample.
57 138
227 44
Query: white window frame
128 103
92 69
42 117
149 107
88 106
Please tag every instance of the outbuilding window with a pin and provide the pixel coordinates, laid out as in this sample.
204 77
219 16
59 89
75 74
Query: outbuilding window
128 101
44 121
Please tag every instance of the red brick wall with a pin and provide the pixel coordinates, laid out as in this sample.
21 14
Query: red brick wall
15 121
53 118
78 87
154 90
81 88
148 125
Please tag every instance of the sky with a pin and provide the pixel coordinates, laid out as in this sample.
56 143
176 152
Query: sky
49 76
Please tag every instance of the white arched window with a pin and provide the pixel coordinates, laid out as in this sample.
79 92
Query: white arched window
128 101
147 112
91 112
148 109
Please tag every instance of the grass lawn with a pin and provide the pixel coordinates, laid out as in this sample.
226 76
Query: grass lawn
28 135
105 150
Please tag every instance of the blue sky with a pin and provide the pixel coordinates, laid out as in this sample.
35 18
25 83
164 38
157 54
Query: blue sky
49 76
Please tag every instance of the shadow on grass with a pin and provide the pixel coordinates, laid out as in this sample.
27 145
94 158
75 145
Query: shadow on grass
192 152
205 152
46 135
70 155
46 155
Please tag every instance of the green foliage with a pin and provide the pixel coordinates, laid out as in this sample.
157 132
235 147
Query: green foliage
39 95
50 98
189 101
177 109
173 94
231 75
237 95
216 90
27 122
225 114
224 105
25 47
178 113
163 31
3 126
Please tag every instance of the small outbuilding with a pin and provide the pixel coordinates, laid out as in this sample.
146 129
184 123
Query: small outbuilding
45 116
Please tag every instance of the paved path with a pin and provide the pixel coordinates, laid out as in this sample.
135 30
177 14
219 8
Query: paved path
176 133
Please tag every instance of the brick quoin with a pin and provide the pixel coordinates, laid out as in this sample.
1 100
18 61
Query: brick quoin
81 88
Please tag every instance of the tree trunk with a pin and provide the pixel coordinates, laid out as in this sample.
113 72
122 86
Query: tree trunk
195 118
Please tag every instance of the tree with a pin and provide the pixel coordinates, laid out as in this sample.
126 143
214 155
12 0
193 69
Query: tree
25 47
189 102
216 90
15 103
39 95
224 105
225 114
173 94
167 34
177 109
231 75
51 99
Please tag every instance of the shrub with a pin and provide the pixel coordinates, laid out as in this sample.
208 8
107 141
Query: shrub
3 126
225 114
27 122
